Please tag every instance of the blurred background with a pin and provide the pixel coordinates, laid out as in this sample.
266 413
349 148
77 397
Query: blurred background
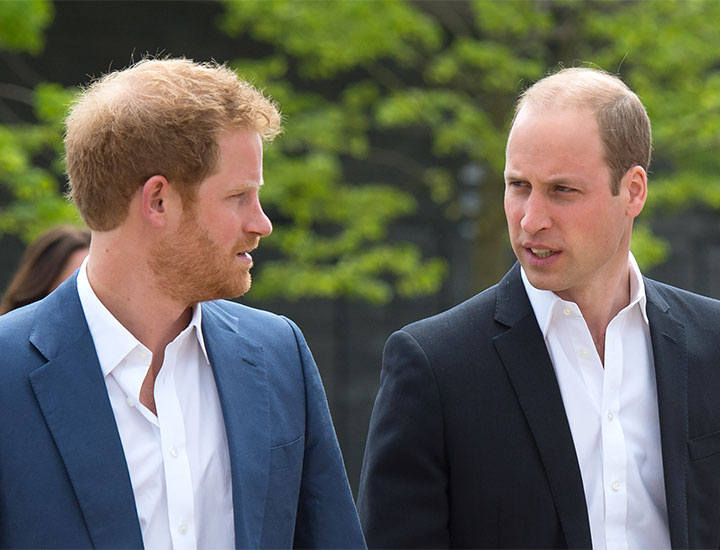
386 188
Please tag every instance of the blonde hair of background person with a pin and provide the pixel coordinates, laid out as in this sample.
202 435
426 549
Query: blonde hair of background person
46 262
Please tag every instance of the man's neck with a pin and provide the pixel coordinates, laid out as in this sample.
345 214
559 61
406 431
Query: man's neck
600 305
130 295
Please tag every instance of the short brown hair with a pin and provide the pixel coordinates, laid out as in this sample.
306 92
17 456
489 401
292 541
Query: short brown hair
623 123
157 117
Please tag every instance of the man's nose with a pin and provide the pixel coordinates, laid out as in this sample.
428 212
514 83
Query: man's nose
259 223
536 215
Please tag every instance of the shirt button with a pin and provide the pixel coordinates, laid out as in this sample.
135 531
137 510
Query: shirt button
173 452
585 353
610 416
183 529
615 486
144 355
130 402
568 310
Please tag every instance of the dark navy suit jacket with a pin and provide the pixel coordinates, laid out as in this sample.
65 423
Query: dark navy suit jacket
64 482
470 447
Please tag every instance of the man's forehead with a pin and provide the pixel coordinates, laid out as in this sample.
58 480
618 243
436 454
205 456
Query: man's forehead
552 111
553 138
545 123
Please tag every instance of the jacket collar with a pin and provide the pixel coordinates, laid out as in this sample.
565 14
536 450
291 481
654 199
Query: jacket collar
72 396
240 370
524 355
670 353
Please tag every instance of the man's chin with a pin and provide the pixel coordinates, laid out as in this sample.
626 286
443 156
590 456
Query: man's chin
539 281
230 292
238 293
210 292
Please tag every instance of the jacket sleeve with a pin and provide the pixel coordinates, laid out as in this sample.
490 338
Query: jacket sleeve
403 496
326 515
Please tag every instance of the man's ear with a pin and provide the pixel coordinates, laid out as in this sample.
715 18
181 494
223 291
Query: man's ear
155 195
635 180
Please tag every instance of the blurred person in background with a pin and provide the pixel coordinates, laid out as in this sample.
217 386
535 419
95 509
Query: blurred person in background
139 407
46 262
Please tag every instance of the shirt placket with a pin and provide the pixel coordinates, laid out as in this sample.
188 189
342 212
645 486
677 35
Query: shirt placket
613 441
586 359
176 465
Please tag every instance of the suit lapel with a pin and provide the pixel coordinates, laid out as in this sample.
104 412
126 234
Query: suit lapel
241 377
670 355
72 396
526 360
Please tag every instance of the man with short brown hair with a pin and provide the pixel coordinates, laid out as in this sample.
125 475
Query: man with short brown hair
141 409
573 404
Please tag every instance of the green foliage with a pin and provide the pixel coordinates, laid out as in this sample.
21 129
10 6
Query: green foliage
438 82
22 24
646 247
331 225
30 153
31 168
354 275
670 59
328 37
386 104
386 88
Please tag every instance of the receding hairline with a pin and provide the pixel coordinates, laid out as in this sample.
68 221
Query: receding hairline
550 111
623 124
577 86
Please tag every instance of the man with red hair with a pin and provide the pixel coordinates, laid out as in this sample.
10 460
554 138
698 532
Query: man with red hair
140 408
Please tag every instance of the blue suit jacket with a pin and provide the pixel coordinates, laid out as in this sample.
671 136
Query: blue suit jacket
64 482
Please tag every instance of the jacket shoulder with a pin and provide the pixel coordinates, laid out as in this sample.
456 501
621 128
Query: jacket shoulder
256 324
19 355
472 314
242 312
681 302
16 324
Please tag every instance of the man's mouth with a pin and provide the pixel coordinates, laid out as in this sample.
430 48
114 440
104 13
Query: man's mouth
246 253
543 252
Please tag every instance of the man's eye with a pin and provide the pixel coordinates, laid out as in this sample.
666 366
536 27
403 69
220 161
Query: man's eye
564 189
517 184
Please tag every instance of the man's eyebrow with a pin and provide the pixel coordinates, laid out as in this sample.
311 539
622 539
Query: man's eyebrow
244 186
512 176
559 180
564 180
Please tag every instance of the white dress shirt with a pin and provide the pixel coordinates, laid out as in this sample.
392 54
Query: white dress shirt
613 416
178 461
